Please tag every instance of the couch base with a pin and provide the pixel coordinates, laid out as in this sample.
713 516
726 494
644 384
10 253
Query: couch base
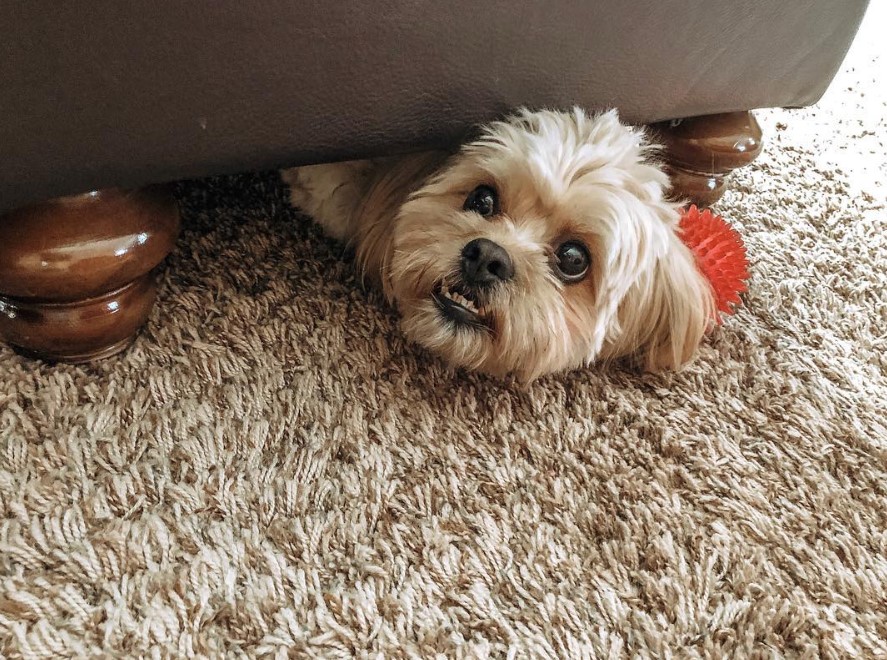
77 274
700 152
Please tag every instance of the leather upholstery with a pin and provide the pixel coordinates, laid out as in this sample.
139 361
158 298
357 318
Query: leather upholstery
102 93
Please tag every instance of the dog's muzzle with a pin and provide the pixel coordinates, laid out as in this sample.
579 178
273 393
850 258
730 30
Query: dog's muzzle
464 301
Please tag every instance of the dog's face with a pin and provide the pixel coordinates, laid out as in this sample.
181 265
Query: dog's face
545 245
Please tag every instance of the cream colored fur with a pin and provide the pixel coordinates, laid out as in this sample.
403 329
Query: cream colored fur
559 175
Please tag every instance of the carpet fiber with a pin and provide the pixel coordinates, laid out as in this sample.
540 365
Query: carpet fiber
273 470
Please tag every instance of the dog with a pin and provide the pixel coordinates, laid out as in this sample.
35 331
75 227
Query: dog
546 244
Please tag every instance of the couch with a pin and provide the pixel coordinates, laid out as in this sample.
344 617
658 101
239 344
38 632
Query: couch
100 100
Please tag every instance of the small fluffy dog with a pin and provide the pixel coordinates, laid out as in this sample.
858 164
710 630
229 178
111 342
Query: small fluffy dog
545 244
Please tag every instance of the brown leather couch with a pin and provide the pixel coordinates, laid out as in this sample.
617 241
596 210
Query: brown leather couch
103 94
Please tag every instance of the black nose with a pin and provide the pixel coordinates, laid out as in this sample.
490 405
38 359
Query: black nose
485 263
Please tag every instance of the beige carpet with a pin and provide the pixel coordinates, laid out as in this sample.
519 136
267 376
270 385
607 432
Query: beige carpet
272 470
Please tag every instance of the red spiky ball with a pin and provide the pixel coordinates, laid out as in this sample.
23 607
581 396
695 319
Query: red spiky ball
720 255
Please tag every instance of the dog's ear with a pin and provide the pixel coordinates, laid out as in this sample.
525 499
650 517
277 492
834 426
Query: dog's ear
667 311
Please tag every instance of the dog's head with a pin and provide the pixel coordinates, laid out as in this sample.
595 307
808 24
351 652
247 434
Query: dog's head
544 245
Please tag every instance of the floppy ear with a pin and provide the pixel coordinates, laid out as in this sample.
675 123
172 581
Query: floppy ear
667 311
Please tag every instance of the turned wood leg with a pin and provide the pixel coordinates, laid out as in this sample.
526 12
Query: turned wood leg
76 273
700 152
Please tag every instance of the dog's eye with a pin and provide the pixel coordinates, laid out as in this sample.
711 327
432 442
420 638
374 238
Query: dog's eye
484 201
571 261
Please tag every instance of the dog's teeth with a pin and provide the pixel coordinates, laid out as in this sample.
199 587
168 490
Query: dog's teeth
459 299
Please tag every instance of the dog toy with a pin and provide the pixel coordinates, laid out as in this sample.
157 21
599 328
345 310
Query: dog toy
720 255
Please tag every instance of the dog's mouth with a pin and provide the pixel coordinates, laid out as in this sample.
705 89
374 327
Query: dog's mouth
461 306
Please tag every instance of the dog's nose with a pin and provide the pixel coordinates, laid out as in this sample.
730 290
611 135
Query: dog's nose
485 263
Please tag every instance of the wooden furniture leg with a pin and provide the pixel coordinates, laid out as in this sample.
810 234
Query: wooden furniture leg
700 152
76 273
